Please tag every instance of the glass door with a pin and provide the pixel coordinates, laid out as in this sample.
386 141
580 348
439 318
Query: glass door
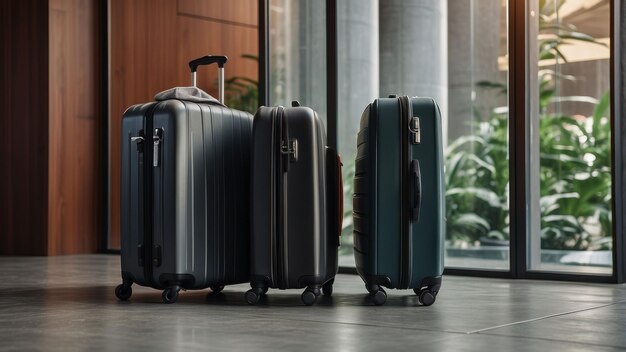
569 168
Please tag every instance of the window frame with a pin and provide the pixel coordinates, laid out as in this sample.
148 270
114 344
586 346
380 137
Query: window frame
518 137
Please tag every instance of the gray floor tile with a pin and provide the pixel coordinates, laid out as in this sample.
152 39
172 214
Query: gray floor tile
62 303
601 326
482 343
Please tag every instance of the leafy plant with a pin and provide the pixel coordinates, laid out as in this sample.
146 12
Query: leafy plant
575 175
476 176
242 93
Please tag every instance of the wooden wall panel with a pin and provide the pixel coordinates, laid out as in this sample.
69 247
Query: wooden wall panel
74 203
50 178
151 43
242 12
23 122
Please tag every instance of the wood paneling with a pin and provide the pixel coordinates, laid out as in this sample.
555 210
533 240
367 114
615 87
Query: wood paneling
243 12
74 203
151 42
49 151
24 126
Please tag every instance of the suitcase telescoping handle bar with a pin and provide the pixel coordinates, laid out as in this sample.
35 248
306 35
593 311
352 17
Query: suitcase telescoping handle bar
416 190
220 60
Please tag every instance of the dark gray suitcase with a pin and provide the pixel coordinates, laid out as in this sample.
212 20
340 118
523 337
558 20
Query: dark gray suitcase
296 204
185 194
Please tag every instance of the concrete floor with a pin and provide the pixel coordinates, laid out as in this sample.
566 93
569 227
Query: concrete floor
67 303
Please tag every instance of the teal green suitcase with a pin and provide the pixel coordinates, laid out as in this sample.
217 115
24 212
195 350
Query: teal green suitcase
398 198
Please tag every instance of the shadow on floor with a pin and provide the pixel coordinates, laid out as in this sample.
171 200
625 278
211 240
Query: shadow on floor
275 298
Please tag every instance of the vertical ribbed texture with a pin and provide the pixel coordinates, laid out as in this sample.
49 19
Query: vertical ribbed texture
227 157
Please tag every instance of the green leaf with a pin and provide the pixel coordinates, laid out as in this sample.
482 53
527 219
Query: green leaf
472 220
483 194
546 201
581 37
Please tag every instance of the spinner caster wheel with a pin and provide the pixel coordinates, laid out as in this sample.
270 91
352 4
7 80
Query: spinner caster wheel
170 294
308 297
253 297
123 292
426 297
379 297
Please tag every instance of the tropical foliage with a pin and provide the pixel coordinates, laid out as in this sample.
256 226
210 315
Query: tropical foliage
574 152
242 93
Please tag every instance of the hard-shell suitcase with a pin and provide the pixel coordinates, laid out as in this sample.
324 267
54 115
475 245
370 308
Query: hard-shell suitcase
398 198
296 204
185 193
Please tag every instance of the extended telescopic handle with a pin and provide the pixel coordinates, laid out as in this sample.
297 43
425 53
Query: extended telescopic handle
220 60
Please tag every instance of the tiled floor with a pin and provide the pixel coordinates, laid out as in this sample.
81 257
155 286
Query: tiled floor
67 303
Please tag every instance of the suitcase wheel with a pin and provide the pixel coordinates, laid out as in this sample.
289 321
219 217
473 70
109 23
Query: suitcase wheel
425 295
217 289
327 289
309 296
123 292
379 297
377 294
253 295
170 294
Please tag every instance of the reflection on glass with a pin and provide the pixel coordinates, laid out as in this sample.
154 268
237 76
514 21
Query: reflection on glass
570 143
298 53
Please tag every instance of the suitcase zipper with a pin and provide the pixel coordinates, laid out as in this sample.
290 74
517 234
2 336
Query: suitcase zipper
284 156
140 141
157 177
148 201
406 228
286 150
156 141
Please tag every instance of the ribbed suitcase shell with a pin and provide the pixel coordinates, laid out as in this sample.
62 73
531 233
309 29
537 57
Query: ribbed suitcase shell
188 217
379 193
309 254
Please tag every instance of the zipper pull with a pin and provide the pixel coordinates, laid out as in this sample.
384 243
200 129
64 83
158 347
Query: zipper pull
139 139
414 127
290 148
156 140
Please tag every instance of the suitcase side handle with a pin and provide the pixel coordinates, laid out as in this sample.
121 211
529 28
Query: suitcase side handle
334 181
340 195
416 190
220 60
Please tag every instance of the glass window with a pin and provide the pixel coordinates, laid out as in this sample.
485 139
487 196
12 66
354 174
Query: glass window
570 149
297 46
357 59
477 152
457 52
446 50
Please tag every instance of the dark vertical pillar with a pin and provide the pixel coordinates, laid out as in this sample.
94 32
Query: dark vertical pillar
618 128
24 126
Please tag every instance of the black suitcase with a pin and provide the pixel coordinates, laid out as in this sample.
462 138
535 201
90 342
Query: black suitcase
185 192
296 204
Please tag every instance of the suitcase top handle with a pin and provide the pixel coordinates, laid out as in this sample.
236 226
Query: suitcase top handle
207 60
